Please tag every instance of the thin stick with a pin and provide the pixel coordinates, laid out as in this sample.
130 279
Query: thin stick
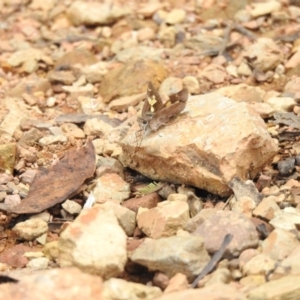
214 260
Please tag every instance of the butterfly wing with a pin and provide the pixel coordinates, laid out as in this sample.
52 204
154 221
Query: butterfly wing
181 96
153 100
170 109
164 115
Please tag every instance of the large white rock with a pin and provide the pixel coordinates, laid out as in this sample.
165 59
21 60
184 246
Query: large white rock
212 141
95 243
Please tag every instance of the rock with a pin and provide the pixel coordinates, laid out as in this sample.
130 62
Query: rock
116 288
79 91
122 104
163 220
215 291
40 263
43 5
218 225
261 9
214 73
71 207
31 229
30 85
42 239
111 187
182 254
245 206
51 101
198 219
171 85
293 61
286 167
175 16
28 176
108 165
242 93
96 127
244 69
52 139
95 72
266 208
279 244
16 111
192 84
12 200
67 284
264 54
103 254
99 146
260 264
167 36
131 79
5 178
147 201
286 219
125 216
292 86
138 53
247 255
61 76
30 137
14 256
211 161
29 59
284 288
265 110
93 13
281 104
72 130
79 56
177 283
51 250
290 264
8 157
146 34
220 275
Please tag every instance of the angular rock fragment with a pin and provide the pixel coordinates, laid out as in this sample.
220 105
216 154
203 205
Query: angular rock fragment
176 254
212 141
95 243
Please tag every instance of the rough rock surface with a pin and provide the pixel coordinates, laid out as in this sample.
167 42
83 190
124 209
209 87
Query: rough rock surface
216 139
115 288
95 243
163 220
218 225
181 254
56 284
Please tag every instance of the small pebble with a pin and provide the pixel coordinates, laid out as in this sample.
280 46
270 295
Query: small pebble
286 166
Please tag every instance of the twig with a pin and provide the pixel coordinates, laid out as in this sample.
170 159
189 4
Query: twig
214 260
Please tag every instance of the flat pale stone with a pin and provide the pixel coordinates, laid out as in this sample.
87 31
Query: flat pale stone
171 255
31 229
67 284
95 243
214 291
279 244
163 220
116 288
284 288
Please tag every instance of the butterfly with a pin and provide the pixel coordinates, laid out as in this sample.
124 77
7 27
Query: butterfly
155 113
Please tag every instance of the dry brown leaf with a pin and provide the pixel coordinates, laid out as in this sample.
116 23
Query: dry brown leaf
55 184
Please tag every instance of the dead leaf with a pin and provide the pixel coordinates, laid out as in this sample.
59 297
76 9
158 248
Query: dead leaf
55 184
